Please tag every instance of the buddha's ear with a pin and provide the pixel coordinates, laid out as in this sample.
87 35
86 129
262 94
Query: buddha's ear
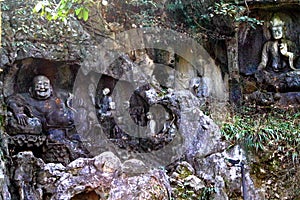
30 91
284 28
51 88
271 24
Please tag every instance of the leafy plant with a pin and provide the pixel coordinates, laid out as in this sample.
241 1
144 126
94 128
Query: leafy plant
277 130
146 12
61 10
200 16
181 192
143 3
4 6
207 192
232 10
182 189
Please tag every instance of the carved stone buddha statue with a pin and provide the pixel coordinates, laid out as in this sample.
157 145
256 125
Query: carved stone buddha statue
39 112
276 71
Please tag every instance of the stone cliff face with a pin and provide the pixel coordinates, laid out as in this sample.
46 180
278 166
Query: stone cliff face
195 157
125 161
25 35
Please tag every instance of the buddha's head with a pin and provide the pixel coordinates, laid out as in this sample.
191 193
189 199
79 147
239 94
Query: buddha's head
41 88
277 27
106 91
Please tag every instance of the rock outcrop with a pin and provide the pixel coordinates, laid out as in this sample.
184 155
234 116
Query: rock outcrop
190 146
103 177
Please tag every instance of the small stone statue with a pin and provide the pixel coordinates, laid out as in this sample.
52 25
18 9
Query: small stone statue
106 103
92 90
151 124
199 87
169 126
277 53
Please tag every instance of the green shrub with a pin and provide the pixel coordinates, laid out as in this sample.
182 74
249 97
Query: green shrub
275 129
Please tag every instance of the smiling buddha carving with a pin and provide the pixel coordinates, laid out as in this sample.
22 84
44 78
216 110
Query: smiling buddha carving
39 108
40 114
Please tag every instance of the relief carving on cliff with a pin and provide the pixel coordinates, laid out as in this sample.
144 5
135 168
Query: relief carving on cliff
276 69
278 73
37 114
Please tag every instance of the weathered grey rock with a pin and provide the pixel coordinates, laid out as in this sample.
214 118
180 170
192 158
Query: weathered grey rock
216 169
148 186
4 179
133 167
85 178
202 136
25 168
28 35
206 152
194 182
107 162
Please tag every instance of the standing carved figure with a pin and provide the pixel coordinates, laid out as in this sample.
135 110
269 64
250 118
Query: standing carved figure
199 87
151 125
106 104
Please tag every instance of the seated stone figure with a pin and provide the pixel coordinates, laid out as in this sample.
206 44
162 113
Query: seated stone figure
41 105
40 112
276 71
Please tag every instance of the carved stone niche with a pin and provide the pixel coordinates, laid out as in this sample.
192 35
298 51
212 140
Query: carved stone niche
43 125
128 126
18 78
270 66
